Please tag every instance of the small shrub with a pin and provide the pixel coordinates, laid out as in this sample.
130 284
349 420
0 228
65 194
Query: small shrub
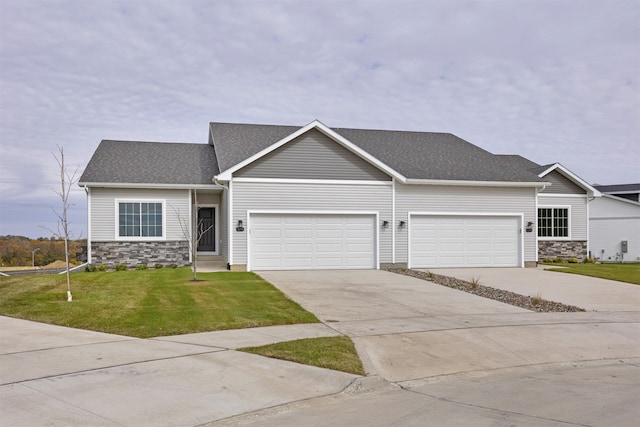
588 260
172 266
475 281
122 267
536 299
430 275
141 267
102 267
90 268
558 260
572 260
158 266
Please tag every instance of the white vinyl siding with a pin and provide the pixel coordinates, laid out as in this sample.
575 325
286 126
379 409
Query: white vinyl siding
309 197
312 156
104 220
282 241
464 241
458 199
578 221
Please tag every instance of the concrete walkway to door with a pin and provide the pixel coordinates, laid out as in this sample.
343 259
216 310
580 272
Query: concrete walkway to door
590 293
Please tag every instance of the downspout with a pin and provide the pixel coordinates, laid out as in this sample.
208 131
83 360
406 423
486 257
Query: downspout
88 192
393 221
229 220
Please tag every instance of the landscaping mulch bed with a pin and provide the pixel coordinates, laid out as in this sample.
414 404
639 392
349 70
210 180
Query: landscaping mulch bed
523 301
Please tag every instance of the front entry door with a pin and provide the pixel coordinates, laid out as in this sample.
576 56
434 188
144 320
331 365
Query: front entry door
206 231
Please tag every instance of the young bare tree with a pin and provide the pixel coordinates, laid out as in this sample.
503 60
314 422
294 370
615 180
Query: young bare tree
193 237
66 181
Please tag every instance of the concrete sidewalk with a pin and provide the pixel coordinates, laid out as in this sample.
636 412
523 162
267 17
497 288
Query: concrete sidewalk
51 375
590 293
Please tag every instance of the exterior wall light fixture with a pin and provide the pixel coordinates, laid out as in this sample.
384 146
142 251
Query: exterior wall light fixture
385 224
402 224
239 227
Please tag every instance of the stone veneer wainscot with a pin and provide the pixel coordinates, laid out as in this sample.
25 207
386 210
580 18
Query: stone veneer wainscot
136 253
562 248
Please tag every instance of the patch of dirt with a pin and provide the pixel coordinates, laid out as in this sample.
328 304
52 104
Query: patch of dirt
56 264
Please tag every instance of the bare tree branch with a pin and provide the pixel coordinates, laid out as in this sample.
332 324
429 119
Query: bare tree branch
67 180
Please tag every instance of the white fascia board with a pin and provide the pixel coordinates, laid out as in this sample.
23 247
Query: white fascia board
226 175
463 214
312 181
475 183
573 177
151 185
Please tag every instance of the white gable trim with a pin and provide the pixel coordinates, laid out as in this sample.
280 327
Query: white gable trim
226 175
573 177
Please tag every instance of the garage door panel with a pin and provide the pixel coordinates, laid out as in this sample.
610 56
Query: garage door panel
464 241
322 233
312 241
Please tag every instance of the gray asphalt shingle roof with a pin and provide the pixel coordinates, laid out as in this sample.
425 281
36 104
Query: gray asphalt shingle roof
415 155
617 188
151 163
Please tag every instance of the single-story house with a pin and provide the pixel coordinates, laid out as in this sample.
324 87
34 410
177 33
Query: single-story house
614 223
268 197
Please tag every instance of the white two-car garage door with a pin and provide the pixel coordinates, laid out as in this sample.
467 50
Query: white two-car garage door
464 241
311 241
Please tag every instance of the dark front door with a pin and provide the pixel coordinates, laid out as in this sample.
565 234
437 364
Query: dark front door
206 231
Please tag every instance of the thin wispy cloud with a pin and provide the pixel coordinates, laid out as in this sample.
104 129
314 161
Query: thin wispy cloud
553 81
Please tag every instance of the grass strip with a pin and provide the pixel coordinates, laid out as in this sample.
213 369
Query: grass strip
337 353
627 272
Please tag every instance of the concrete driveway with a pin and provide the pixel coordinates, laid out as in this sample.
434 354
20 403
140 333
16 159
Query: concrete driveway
458 359
590 293
434 355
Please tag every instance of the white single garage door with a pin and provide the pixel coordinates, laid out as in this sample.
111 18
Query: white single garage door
311 241
464 241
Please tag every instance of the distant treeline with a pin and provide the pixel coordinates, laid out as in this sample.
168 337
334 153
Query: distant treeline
18 250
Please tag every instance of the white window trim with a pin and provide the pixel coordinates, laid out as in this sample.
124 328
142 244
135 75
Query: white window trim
216 227
551 239
140 238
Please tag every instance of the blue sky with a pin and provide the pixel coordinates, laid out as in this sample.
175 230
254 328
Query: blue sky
554 81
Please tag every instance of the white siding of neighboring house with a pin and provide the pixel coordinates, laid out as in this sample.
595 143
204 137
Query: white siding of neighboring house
578 217
610 222
310 197
104 220
459 199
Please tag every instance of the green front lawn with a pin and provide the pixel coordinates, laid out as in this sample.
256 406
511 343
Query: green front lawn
150 303
628 272
337 353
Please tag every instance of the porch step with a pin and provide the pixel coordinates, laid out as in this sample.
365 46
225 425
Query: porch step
209 258
210 263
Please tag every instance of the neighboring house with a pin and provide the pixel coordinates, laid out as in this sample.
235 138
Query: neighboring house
614 218
283 197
